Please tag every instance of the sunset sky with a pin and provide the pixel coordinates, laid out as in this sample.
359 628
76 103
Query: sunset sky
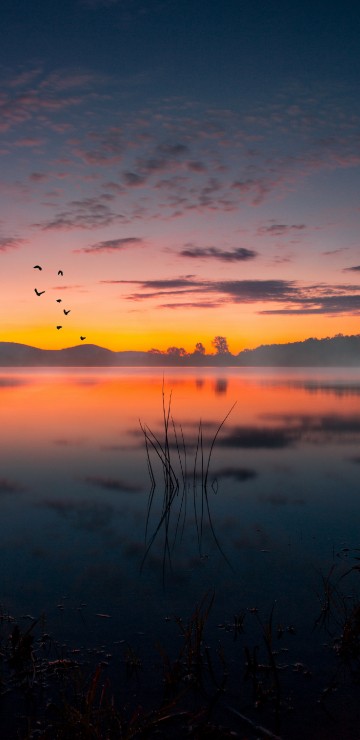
193 167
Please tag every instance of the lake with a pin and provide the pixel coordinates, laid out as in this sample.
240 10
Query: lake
111 559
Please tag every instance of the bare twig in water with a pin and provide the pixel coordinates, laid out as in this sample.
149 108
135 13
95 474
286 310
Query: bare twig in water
259 729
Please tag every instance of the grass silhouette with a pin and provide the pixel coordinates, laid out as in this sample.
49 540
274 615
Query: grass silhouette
182 480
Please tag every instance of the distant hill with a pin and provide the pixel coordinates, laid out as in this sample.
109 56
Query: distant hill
84 355
343 351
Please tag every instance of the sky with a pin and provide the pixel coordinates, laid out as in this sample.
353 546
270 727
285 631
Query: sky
192 166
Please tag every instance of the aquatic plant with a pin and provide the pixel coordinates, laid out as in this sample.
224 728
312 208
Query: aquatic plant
181 481
340 616
200 689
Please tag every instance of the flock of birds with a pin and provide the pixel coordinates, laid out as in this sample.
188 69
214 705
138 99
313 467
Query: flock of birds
58 300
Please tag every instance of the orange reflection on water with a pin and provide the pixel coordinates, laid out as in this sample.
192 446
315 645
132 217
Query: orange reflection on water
67 404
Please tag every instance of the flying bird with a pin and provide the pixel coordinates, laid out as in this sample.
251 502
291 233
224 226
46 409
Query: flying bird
60 272
37 267
39 292
66 312
82 338
58 300
59 327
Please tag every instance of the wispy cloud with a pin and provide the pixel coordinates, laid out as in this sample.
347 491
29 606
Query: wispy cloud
24 77
89 213
134 179
10 242
38 176
165 157
104 148
256 189
356 268
330 305
30 142
166 284
33 95
240 254
67 287
330 252
298 298
191 304
239 290
184 157
113 245
280 229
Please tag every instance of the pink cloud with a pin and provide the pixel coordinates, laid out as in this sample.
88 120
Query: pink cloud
10 242
86 213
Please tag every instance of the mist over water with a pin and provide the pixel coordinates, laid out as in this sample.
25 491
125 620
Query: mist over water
74 492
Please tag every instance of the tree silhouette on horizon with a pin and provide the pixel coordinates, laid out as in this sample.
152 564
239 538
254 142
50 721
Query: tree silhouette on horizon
220 345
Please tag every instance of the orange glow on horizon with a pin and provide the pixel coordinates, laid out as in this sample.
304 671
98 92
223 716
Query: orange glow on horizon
109 315
108 319
258 331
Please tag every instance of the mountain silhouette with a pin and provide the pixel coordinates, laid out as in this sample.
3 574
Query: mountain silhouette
338 351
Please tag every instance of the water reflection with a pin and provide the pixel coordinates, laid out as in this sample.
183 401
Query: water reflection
337 390
344 382
320 427
90 516
238 474
9 382
221 386
74 479
258 437
10 487
112 484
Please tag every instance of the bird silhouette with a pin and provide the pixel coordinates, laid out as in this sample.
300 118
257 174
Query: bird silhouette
58 300
59 327
39 292
37 267
66 312
60 272
82 338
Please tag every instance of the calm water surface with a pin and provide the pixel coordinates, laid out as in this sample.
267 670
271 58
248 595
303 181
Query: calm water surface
283 494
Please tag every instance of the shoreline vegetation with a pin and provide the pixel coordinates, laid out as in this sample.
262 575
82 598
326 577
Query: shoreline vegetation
250 684
337 351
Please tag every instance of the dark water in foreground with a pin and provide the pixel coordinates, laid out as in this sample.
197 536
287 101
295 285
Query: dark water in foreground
283 498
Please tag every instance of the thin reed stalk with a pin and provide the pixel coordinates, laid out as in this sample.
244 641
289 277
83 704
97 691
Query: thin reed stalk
170 452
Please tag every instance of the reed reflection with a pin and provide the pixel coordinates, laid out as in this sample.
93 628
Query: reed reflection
180 484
